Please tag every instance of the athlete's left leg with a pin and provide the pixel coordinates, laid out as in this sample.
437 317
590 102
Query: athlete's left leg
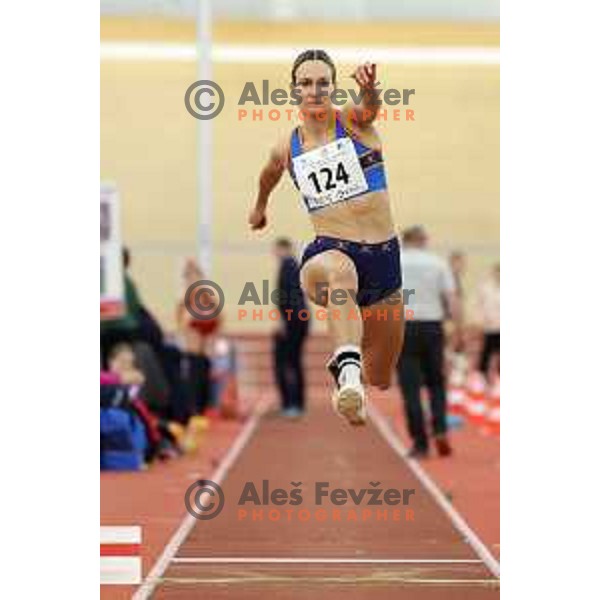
383 336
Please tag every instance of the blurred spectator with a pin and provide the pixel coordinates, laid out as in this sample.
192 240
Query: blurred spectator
121 388
488 318
422 359
291 332
197 337
137 324
127 327
458 266
158 361
138 328
121 362
197 334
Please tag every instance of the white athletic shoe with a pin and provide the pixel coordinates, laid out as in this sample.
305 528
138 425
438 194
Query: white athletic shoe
349 399
351 402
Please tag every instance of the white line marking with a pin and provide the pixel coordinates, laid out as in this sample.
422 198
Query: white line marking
186 526
459 523
120 570
260 54
120 535
318 561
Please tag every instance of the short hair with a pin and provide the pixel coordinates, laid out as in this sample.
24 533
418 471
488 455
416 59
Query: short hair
313 55
118 348
126 257
415 233
284 243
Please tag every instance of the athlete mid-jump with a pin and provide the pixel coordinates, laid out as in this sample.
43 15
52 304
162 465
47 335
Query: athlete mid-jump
335 160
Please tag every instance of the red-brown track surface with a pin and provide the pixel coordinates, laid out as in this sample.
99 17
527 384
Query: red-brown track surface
470 479
154 498
320 447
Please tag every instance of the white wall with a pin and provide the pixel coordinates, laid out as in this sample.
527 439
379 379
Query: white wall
335 10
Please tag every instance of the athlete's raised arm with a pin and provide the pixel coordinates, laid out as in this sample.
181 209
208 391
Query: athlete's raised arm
364 113
269 178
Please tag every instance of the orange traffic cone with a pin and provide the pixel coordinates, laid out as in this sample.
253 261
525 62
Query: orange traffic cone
457 391
493 411
476 399
457 396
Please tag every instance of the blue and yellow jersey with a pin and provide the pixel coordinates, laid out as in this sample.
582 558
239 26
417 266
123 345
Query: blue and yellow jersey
371 161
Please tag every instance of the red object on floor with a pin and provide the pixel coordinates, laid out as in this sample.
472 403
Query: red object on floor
476 398
493 412
212 413
457 397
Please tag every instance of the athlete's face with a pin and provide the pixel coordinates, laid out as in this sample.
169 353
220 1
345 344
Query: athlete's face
314 84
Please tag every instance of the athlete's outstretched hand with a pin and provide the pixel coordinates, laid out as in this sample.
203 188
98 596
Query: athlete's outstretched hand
365 75
257 219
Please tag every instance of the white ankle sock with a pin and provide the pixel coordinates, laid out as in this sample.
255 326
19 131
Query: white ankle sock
349 375
348 359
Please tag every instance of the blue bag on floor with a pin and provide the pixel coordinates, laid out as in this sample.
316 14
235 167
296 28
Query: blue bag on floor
122 440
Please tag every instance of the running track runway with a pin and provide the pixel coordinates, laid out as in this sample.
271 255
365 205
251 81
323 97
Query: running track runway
428 554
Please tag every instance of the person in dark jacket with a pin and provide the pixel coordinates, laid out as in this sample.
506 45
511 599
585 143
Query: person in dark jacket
291 333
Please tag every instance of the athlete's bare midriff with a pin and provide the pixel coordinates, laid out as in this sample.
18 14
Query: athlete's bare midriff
366 219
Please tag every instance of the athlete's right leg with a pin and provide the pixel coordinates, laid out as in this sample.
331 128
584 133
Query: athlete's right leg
321 276
382 341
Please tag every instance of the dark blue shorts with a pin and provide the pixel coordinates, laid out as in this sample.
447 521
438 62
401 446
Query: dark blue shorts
378 265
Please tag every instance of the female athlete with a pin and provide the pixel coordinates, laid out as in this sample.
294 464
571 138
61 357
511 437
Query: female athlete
335 160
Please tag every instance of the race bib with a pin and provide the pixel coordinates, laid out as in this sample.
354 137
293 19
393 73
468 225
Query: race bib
330 174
